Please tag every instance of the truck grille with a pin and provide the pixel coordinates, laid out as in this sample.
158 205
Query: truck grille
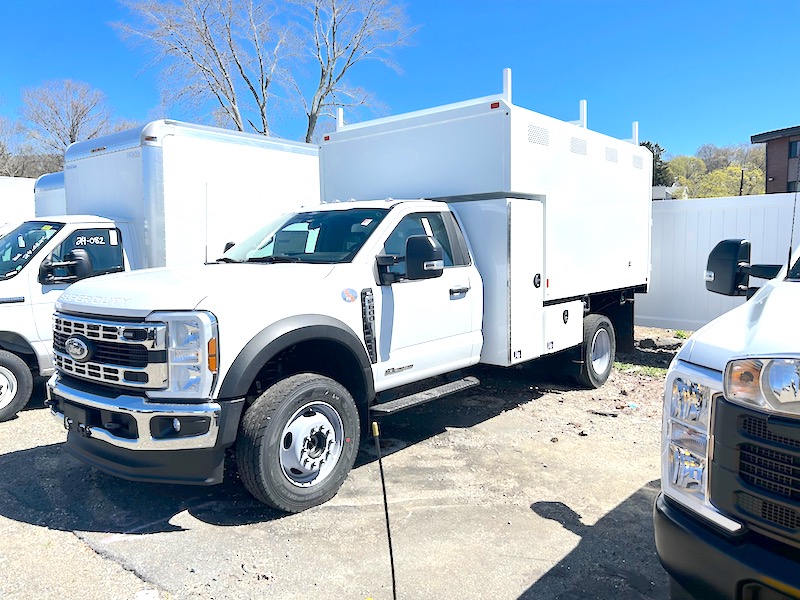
755 472
129 354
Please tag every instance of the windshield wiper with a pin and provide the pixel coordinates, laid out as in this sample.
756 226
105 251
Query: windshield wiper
274 259
225 259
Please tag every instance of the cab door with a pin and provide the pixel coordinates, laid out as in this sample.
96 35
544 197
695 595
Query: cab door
428 326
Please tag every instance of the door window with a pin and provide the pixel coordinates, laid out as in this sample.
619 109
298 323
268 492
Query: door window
441 226
104 247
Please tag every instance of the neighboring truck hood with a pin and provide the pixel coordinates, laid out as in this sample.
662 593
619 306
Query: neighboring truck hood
766 325
138 293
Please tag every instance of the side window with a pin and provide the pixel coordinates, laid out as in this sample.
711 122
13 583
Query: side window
104 247
441 226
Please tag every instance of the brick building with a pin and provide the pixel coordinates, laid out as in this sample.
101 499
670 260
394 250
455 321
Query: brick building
783 158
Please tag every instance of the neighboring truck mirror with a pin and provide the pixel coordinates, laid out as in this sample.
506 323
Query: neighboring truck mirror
727 271
424 257
77 263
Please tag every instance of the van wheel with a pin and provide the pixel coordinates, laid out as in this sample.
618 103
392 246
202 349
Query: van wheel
16 385
597 352
298 441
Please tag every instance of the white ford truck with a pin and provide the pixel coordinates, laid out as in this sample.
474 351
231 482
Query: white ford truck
532 240
727 522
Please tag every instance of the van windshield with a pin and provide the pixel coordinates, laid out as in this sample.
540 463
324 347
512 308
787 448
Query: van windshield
20 245
325 236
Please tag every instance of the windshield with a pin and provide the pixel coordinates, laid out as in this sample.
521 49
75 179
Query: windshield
20 245
325 236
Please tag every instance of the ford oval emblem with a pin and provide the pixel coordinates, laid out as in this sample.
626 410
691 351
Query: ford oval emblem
77 348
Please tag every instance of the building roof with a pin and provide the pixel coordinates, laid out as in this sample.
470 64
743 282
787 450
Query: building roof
774 135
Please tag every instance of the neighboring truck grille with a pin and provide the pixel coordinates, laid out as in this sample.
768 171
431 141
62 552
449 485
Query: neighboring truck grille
128 354
755 472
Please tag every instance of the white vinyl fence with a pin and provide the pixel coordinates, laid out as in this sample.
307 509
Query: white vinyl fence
683 234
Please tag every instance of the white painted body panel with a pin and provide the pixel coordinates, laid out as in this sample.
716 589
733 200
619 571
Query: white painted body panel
595 189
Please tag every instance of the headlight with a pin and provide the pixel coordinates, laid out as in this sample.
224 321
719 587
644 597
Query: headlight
687 436
772 384
686 447
191 353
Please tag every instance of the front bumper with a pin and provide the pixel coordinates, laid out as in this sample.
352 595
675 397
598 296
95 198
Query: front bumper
711 565
129 437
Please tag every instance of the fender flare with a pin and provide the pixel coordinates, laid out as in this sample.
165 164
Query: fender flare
277 337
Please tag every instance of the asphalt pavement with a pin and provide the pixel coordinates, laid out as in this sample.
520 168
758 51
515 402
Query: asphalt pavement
484 502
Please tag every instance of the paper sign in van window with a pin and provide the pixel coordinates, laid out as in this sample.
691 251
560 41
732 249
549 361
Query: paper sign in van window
112 237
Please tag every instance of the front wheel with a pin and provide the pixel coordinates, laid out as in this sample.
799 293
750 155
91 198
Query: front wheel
298 441
597 351
16 384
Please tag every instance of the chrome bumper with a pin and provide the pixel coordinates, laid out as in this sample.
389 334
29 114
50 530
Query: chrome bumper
142 412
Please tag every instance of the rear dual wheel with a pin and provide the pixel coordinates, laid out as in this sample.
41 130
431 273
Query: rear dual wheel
298 441
597 351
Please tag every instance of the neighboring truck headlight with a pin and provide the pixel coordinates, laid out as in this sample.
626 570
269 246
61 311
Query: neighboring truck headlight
685 445
191 353
769 383
687 430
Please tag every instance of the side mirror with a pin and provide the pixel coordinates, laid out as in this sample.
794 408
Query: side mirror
229 245
728 268
77 263
424 257
80 264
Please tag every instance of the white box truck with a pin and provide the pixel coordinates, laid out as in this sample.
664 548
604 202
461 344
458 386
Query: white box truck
164 194
50 195
16 200
527 236
727 521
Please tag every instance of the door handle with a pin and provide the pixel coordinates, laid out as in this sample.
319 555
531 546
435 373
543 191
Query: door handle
457 291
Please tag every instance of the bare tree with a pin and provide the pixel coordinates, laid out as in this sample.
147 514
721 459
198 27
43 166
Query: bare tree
58 113
228 51
341 34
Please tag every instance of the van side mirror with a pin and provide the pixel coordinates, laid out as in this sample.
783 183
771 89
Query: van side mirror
228 246
728 268
424 257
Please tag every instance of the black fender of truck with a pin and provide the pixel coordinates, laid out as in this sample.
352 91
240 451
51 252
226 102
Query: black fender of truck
284 334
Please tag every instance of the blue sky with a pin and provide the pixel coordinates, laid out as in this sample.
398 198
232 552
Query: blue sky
691 72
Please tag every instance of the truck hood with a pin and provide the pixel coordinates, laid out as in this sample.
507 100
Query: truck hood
136 294
766 325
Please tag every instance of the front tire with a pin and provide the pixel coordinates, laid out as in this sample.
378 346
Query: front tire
298 441
16 385
597 351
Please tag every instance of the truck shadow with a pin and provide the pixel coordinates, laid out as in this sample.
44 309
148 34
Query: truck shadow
45 486
603 565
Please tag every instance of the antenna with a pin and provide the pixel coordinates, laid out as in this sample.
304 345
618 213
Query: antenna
794 216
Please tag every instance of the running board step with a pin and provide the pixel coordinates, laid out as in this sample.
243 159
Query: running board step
394 406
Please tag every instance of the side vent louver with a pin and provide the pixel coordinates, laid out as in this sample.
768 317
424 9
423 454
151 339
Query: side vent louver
638 163
577 146
538 135
612 155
